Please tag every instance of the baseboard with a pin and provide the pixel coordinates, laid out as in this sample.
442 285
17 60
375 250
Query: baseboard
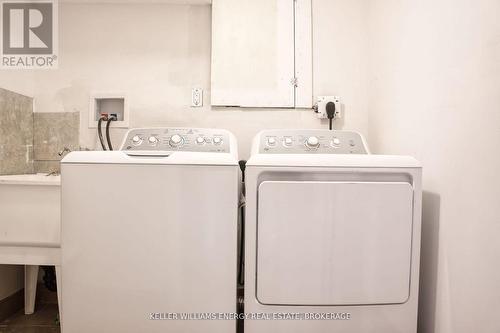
11 304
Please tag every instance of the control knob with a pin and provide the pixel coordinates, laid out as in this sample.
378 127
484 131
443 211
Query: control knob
176 140
312 142
136 140
217 140
200 140
271 141
153 140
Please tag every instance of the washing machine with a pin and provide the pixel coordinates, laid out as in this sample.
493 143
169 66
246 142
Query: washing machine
149 233
332 235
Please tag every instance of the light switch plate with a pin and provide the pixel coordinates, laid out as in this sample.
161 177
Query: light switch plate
323 100
197 97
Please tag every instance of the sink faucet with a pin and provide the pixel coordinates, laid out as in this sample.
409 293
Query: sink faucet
61 154
64 151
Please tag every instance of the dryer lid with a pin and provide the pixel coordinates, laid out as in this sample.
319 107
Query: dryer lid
334 160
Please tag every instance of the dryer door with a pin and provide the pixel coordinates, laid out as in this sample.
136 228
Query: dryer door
334 243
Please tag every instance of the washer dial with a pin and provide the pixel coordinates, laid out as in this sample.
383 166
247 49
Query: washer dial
136 140
153 140
176 140
312 142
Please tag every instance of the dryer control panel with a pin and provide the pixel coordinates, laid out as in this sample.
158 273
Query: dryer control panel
311 142
177 139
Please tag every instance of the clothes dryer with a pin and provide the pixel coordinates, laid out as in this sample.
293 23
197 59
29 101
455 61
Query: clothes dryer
332 241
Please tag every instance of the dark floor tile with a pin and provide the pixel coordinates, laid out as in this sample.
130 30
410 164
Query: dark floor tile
43 320
29 329
45 296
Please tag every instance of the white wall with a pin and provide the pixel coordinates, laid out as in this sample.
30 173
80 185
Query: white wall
434 83
433 71
157 52
433 92
11 280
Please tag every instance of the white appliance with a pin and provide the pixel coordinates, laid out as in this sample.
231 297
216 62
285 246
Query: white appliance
149 233
332 235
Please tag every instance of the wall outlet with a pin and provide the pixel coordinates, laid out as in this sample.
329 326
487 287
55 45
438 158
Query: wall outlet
197 97
323 100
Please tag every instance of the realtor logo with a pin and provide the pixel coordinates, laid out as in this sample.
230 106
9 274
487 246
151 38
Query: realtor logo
29 34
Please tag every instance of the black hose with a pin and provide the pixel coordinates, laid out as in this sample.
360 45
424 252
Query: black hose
108 138
99 132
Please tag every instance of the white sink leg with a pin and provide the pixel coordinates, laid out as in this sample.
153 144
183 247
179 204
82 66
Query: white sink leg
30 282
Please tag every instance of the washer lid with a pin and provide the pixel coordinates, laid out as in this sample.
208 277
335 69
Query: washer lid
334 243
149 157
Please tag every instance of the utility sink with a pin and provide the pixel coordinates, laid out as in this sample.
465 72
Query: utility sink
30 228
30 210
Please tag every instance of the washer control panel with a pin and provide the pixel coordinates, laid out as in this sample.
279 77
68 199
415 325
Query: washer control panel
177 139
311 142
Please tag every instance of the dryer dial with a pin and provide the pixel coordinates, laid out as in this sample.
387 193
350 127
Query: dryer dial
288 141
271 141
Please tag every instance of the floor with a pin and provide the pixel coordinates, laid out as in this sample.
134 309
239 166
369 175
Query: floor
44 320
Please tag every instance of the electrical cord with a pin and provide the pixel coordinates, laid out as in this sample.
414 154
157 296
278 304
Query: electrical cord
99 131
241 266
108 138
330 113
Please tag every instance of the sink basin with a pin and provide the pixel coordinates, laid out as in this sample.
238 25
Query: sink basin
30 210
